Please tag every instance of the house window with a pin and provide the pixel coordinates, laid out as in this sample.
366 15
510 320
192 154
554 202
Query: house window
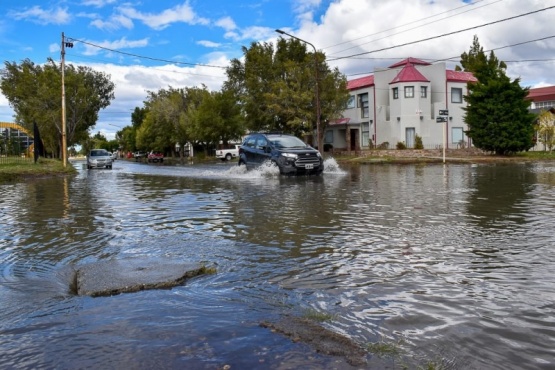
423 91
409 91
545 104
395 93
351 102
456 95
363 104
328 138
457 135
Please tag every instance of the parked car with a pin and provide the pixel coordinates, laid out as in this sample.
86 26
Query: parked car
99 158
288 152
154 156
228 154
138 155
114 156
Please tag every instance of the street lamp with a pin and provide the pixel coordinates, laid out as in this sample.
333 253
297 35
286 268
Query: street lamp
318 134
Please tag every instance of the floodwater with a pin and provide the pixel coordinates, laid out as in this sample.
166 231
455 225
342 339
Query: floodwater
455 264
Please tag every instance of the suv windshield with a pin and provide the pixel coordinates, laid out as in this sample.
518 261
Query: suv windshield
287 142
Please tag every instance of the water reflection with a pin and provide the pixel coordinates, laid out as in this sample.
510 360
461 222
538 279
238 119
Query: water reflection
454 259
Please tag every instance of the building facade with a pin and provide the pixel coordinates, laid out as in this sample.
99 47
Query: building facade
542 98
14 140
395 104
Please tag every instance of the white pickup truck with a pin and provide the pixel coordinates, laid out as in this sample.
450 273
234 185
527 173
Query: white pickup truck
227 154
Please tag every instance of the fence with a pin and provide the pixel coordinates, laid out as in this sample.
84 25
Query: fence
14 151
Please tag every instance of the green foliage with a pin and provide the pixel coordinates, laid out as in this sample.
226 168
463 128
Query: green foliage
418 142
34 92
277 87
163 123
497 113
191 114
400 145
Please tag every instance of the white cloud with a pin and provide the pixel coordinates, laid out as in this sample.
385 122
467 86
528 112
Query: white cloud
115 22
97 3
301 6
250 33
181 13
208 44
226 23
39 15
54 48
122 43
350 27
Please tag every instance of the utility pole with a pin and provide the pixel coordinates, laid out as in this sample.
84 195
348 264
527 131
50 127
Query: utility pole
64 141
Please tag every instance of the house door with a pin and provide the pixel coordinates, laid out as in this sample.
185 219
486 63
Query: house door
410 134
354 139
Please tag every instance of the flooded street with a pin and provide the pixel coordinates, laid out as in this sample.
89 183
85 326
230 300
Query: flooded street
454 263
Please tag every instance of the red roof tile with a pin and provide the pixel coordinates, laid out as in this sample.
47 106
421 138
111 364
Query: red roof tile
412 61
459 76
409 73
361 82
542 94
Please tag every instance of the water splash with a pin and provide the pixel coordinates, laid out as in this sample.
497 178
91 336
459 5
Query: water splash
332 167
266 170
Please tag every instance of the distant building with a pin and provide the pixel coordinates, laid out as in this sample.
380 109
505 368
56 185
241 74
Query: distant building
543 98
14 139
399 102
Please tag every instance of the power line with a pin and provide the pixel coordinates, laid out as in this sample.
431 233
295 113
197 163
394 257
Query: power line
76 56
143 56
455 58
410 29
504 47
442 35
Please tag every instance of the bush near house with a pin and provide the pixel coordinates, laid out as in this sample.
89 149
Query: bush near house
401 145
418 142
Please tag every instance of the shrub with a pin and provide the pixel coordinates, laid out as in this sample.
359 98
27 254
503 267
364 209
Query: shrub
418 142
401 145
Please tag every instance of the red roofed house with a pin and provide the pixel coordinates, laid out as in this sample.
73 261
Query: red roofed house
399 102
543 98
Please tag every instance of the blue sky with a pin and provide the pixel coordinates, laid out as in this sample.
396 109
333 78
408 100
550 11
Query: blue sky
194 40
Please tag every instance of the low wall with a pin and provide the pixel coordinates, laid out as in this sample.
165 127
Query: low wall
410 153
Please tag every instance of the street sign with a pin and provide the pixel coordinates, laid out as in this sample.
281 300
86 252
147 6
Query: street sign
443 112
441 119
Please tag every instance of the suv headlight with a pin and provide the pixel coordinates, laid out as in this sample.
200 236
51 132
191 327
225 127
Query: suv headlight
289 155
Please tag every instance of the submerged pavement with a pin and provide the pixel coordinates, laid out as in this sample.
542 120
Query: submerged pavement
111 277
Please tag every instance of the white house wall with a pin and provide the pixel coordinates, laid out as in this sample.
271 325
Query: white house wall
418 113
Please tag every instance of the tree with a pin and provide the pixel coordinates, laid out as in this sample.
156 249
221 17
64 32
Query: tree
217 118
34 92
546 130
497 113
160 129
276 87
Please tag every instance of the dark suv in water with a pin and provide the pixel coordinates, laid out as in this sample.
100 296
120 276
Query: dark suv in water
288 152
